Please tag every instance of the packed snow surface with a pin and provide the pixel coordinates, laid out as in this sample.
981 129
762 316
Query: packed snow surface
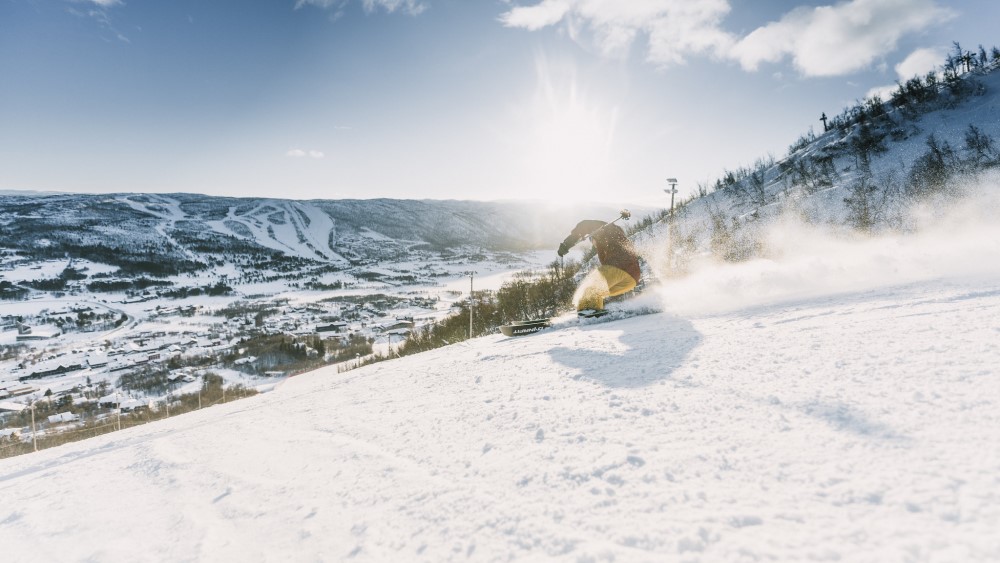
862 426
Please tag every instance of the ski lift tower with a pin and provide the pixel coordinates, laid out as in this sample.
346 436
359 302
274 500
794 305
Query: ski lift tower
672 191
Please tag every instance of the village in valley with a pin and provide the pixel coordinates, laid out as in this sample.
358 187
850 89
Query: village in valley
75 361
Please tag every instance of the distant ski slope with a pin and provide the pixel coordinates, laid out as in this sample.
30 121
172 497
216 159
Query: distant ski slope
293 228
173 226
165 208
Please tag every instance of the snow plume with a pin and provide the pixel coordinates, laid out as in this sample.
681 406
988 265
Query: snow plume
944 239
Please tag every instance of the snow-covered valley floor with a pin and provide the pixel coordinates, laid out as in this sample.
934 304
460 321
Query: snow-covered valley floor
862 426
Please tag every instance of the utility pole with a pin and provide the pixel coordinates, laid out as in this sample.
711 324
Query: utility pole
471 274
823 118
391 350
34 437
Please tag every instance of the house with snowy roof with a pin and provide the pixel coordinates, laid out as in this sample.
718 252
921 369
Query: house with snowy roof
49 369
97 360
63 417
27 333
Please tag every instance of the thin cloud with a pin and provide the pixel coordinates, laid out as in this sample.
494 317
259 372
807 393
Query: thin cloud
412 7
100 3
533 18
819 41
99 12
301 153
918 63
881 92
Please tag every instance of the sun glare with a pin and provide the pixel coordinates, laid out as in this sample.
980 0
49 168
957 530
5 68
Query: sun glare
567 147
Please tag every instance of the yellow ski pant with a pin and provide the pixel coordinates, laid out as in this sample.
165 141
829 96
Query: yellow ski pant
604 282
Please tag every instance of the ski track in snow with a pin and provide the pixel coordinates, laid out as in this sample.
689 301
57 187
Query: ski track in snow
258 230
171 213
303 230
319 229
859 427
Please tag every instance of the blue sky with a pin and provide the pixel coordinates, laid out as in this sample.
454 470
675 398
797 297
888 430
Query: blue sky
444 99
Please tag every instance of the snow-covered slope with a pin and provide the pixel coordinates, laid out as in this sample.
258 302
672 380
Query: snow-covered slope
832 419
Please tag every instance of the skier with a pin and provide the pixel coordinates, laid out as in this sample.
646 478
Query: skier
619 270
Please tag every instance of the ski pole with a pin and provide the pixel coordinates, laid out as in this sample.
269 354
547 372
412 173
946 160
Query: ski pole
624 214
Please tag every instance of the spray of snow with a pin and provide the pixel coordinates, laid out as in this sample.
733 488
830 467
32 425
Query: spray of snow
944 239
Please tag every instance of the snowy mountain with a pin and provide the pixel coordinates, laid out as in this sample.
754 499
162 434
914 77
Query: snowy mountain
185 229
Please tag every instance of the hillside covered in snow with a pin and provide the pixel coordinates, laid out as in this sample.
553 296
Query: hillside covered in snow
881 166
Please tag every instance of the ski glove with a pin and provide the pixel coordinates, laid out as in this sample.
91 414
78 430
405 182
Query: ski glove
567 244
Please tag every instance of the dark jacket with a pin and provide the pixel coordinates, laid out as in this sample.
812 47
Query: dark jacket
613 247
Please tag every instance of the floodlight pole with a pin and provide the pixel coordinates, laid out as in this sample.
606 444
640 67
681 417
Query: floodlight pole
670 249
671 191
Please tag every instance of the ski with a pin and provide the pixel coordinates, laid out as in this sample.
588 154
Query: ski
522 328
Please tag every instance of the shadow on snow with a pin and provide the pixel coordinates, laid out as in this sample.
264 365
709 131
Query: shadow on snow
673 340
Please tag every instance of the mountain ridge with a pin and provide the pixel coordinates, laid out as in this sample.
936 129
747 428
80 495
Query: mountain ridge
187 226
